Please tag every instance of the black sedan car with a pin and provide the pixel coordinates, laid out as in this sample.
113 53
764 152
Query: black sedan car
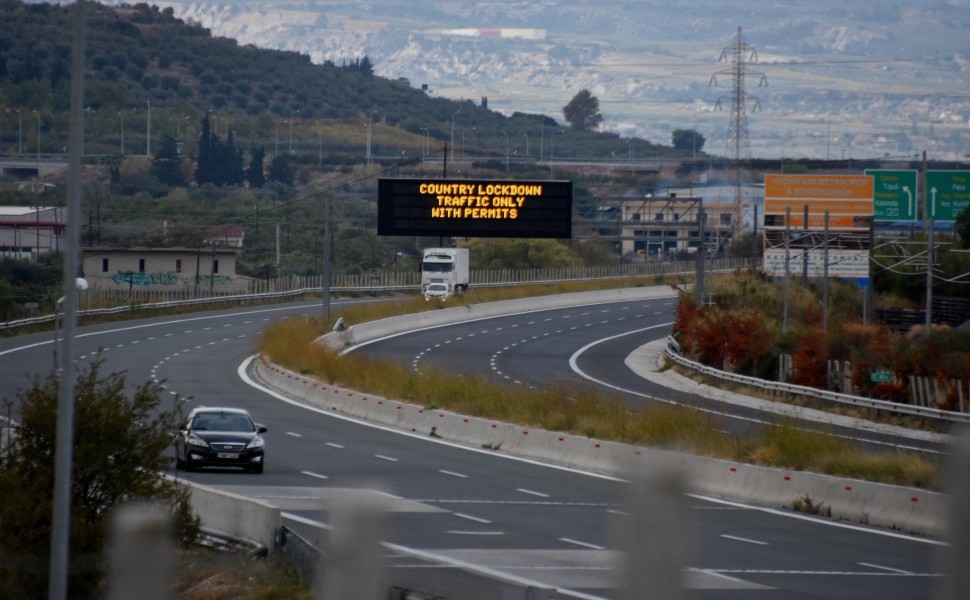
220 437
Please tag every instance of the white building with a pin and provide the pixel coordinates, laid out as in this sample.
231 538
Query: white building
30 231
201 270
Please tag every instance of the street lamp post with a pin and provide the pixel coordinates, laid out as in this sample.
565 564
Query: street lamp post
368 136
20 132
148 131
506 151
453 134
292 113
38 134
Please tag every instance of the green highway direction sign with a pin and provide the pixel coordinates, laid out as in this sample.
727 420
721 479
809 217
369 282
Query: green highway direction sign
879 377
947 193
893 195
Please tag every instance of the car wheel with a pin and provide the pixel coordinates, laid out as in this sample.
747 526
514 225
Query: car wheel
256 468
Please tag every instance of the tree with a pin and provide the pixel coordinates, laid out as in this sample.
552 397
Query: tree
687 139
583 112
963 227
218 162
167 162
254 172
118 452
365 66
204 162
280 170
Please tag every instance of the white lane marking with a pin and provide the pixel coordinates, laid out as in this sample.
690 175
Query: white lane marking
333 445
582 544
820 573
244 376
241 371
532 492
387 458
455 532
143 326
452 473
471 518
618 512
294 434
819 521
890 569
312 474
741 539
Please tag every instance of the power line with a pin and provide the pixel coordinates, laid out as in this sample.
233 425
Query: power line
738 145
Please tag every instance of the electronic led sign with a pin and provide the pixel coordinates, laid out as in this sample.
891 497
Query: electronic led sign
474 208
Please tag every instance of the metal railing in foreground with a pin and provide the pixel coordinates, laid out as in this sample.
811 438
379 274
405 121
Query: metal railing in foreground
789 390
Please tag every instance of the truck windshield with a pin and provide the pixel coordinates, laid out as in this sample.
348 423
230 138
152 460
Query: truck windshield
431 267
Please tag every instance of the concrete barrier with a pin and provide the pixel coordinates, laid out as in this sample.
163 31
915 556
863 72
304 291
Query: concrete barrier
234 515
905 509
364 332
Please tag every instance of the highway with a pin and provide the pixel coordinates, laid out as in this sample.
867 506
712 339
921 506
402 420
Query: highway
467 508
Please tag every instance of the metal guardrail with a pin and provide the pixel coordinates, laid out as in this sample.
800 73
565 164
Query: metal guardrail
161 305
673 351
227 298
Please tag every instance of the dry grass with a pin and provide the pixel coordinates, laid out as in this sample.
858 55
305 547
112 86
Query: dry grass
205 574
579 410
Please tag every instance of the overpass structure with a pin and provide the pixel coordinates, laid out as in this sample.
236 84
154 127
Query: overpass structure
22 167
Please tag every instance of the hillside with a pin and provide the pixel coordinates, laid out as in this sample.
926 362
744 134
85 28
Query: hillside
143 58
854 80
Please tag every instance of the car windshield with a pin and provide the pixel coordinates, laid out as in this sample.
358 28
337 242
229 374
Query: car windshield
222 422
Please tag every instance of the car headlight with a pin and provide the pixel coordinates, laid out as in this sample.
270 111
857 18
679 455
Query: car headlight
194 440
255 443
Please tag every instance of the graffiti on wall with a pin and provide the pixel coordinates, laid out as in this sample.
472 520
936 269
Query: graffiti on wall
144 279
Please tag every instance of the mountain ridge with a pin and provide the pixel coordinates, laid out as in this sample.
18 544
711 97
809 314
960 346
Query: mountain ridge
861 80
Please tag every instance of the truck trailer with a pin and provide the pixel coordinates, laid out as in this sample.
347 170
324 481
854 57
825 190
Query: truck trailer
445 265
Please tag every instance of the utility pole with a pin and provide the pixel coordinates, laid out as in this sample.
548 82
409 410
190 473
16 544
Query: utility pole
701 251
325 271
929 199
738 145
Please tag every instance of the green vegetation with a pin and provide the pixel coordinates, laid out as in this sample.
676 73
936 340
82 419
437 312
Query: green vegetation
741 330
579 410
271 99
119 438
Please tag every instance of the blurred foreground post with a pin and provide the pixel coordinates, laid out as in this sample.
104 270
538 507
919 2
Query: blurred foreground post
351 565
141 553
652 537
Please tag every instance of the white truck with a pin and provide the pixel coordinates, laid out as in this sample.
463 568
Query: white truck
448 266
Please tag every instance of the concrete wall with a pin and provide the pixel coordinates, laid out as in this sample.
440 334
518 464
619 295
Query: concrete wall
234 515
358 334
905 509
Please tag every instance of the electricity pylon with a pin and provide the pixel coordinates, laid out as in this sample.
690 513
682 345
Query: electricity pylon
738 146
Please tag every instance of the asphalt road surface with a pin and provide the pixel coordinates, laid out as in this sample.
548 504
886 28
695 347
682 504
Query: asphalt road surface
457 510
